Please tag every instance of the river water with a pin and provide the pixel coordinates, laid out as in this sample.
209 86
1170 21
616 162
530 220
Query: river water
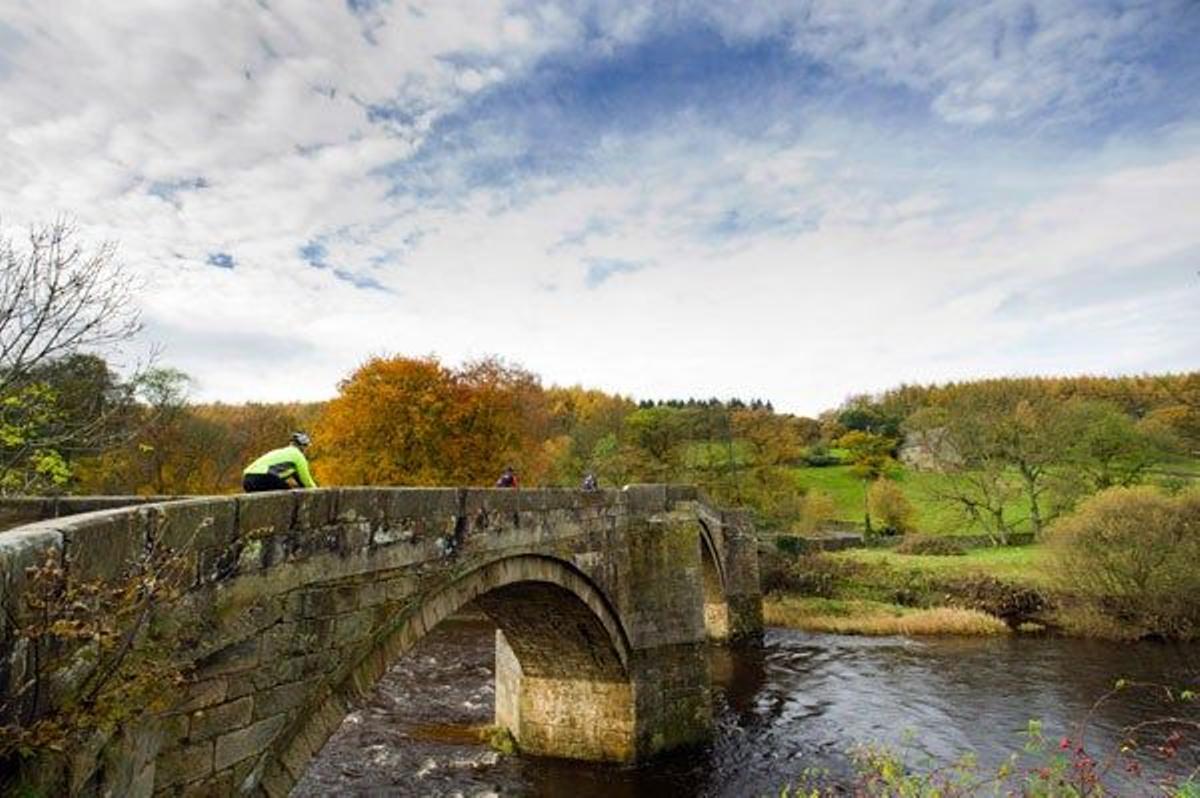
801 701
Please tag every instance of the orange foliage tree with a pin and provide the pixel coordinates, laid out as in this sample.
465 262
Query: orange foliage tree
412 421
200 450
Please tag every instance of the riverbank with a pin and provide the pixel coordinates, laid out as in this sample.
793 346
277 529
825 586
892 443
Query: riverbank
988 591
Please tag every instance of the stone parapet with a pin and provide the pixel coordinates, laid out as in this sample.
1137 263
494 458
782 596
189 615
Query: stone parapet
18 510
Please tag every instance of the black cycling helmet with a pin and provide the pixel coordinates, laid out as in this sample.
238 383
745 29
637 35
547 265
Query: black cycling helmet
301 439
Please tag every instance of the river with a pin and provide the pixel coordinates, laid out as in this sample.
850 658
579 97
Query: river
801 701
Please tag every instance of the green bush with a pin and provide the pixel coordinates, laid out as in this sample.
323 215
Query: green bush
819 456
790 545
931 546
1134 553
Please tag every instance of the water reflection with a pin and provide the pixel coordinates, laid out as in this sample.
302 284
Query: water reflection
740 675
801 701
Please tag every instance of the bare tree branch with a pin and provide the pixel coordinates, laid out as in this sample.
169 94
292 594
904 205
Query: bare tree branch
61 303
57 299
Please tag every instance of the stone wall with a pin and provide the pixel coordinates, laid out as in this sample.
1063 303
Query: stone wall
19 510
797 544
297 603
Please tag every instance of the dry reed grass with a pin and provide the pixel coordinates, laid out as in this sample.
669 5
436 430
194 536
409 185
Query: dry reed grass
873 618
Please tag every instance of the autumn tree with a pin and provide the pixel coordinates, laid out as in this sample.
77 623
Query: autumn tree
658 435
163 392
978 478
1003 439
715 458
1027 433
185 448
498 418
68 409
59 299
234 435
585 427
818 509
771 442
772 439
1180 413
145 462
870 458
891 507
610 461
1173 399
863 413
388 425
412 421
1106 448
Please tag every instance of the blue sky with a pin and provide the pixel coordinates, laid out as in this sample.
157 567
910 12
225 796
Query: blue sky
796 201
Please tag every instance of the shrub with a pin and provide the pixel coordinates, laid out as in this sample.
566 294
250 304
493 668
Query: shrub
818 576
817 510
771 495
1133 551
790 545
819 456
806 575
98 662
1013 604
890 508
931 546
774 571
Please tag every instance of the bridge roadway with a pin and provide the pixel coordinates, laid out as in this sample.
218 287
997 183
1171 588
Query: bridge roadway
296 603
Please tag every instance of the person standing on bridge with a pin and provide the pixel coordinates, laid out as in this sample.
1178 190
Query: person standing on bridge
508 479
273 470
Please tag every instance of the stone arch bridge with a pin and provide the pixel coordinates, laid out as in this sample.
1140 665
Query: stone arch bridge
298 602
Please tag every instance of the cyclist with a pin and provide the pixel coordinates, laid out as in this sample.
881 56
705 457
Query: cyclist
273 470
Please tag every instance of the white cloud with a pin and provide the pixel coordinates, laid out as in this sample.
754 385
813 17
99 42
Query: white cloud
818 257
979 62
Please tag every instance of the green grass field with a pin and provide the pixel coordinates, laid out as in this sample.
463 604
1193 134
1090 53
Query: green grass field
716 454
933 517
1027 565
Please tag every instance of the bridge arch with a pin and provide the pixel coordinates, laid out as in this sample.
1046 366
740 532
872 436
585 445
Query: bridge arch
585 637
712 575
557 633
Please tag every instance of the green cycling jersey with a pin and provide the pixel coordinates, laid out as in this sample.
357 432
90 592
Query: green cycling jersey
283 463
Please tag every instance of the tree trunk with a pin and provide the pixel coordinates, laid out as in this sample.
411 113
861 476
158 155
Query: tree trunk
1035 512
1001 528
867 507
